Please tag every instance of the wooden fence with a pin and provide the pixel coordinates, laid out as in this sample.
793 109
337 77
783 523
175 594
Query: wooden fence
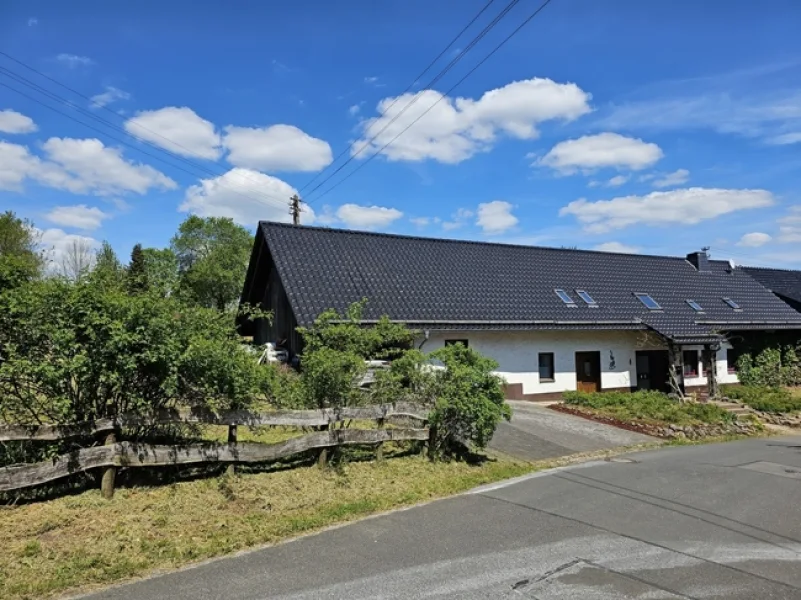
114 455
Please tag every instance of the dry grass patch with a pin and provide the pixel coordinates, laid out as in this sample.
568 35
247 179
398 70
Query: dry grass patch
79 541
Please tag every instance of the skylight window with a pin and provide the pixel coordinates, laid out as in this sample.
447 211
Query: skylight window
732 303
587 298
565 297
695 306
649 302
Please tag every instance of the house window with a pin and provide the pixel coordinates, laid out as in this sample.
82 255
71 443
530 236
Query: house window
690 359
649 302
546 366
452 342
695 306
732 303
587 298
565 297
732 356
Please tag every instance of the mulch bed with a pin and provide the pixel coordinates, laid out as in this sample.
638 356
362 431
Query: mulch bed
635 426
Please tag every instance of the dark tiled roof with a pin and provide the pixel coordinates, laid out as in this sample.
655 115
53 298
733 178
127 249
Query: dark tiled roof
783 282
449 284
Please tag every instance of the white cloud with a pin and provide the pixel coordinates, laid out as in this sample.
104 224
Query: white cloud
57 243
675 207
458 219
592 152
618 247
496 217
80 166
73 61
111 94
457 128
78 217
615 181
790 226
33 21
367 217
754 240
670 179
13 122
753 113
244 195
99 169
177 129
354 109
420 221
371 80
785 138
276 148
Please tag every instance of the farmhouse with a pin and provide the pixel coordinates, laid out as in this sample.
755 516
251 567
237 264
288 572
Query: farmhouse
554 319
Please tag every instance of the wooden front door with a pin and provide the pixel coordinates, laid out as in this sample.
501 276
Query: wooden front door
588 371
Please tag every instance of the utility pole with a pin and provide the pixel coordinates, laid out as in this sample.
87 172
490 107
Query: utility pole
294 209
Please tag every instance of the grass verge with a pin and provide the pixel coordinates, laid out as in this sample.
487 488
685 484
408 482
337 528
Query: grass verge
82 541
648 407
766 399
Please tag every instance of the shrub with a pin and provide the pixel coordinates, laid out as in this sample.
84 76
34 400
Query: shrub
470 400
772 367
384 340
648 406
77 352
330 377
772 400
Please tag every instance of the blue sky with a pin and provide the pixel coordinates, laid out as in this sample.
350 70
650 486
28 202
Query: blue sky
655 127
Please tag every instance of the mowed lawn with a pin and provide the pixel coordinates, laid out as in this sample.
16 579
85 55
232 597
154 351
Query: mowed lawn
80 541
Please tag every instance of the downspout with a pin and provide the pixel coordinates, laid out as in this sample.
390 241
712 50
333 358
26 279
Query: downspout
426 335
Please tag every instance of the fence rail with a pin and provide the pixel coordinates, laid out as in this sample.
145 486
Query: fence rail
128 454
114 455
292 418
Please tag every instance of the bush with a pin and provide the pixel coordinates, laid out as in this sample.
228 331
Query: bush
772 400
648 406
470 400
78 351
385 340
772 367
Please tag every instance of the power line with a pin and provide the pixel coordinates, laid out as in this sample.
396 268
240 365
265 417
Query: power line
93 128
53 96
429 85
409 87
89 99
447 93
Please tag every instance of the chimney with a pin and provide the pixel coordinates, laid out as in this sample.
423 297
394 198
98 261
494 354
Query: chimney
700 260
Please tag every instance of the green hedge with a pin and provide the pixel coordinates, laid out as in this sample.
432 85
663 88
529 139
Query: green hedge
648 406
766 399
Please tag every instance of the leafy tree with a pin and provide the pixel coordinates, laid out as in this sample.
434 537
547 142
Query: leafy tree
213 255
21 259
161 268
108 271
137 272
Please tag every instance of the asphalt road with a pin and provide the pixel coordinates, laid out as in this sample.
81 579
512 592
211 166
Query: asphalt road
714 521
537 433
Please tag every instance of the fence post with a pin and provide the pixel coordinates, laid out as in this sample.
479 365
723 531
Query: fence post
429 446
231 470
109 473
379 451
322 460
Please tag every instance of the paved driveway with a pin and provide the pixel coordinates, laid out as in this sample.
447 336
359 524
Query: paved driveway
693 522
537 433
